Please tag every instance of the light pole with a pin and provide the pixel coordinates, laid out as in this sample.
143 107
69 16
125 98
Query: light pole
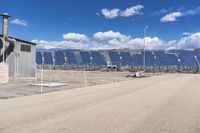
197 60
144 56
155 58
179 64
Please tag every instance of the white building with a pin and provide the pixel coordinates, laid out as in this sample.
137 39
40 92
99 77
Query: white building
17 57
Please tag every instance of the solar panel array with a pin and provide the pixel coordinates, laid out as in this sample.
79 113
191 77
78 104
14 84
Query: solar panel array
126 58
173 60
197 56
162 59
86 58
187 58
114 58
48 59
97 58
39 58
137 59
59 58
150 58
70 57
158 58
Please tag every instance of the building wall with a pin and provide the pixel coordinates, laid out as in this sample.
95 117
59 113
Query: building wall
22 64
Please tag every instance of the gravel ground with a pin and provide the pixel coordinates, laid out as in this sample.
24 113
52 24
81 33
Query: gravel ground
160 104
72 79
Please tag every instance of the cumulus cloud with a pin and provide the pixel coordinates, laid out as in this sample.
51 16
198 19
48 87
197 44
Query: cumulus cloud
75 37
41 44
113 13
19 22
171 17
100 40
134 10
151 43
190 42
110 13
117 40
109 35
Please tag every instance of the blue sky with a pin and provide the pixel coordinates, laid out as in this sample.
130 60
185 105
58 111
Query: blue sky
105 23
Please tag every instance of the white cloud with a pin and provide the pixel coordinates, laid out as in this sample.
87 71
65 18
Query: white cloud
41 44
165 11
110 13
101 40
117 40
171 17
134 10
192 11
172 42
109 35
113 13
75 37
187 33
151 43
19 22
189 42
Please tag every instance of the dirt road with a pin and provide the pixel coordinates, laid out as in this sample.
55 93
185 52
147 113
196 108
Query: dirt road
159 104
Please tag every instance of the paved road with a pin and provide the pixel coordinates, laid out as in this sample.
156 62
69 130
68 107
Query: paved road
160 104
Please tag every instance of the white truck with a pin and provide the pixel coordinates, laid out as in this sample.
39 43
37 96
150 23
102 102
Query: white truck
111 66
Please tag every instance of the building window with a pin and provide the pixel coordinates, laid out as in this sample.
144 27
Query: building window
25 48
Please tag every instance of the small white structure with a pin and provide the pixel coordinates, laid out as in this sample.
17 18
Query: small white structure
17 57
110 65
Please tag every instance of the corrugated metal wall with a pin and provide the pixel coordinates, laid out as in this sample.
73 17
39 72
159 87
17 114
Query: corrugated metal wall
21 64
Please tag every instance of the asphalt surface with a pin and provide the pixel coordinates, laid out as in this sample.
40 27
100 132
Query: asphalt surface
159 104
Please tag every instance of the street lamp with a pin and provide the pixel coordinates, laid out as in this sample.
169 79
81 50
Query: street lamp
197 60
144 62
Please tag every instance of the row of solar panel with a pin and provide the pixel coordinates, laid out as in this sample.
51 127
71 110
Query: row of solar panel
151 58
61 58
158 58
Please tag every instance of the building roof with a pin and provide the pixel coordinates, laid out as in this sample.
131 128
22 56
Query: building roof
20 40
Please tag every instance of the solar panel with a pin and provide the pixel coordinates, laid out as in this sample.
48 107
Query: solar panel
39 58
158 58
59 58
85 56
162 59
70 57
97 58
126 58
187 58
137 59
114 58
149 58
197 54
48 59
173 59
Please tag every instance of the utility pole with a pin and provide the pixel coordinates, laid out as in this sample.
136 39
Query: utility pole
144 56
